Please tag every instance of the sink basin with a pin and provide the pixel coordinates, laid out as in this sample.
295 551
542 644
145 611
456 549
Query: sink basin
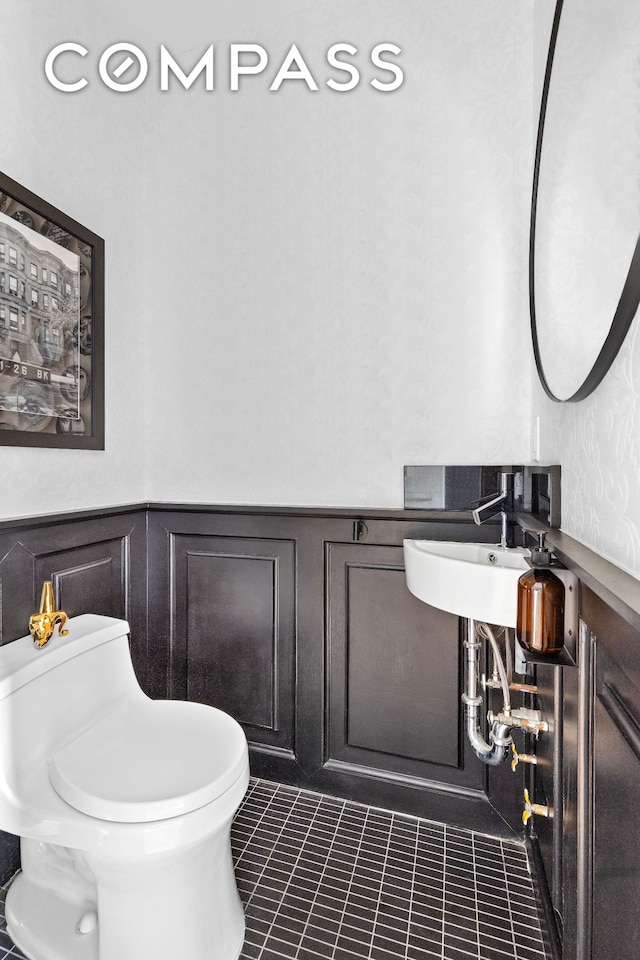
473 580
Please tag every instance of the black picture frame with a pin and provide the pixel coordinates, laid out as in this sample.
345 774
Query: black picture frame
51 325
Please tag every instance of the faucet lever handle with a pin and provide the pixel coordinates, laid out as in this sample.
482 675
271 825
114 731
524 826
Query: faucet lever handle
43 624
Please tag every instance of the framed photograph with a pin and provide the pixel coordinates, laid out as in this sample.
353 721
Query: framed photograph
51 325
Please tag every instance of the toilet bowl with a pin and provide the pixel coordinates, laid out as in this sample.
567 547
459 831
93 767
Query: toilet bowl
123 805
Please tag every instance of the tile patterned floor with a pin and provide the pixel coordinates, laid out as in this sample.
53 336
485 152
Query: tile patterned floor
327 879
7 949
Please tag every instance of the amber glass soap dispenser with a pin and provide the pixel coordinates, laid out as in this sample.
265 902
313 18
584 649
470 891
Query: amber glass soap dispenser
540 624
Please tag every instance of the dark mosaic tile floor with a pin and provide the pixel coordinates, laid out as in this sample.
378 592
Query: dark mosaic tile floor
327 879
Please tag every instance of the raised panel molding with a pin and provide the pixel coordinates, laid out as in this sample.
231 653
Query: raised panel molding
392 675
621 714
97 582
614 789
232 642
97 565
200 585
395 692
16 572
232 635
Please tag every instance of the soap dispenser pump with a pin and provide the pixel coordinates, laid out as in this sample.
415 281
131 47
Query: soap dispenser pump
540 622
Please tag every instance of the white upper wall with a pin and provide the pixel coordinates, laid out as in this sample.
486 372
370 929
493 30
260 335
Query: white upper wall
85 155
336 279
596 440
305 290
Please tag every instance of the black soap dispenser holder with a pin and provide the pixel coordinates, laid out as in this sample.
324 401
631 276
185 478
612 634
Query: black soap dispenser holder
547 622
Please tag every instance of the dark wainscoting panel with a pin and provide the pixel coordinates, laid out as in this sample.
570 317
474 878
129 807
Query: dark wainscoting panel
232 598
232 637
297 622
285 618
96 574
588 771
616 863
98 564
615 785
233 646
394 668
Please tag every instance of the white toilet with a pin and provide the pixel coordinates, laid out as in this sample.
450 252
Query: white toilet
123 805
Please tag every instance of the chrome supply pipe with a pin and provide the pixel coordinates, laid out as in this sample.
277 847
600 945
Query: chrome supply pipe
496 750
499 663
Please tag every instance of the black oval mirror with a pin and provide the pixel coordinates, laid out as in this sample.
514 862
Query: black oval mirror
584 253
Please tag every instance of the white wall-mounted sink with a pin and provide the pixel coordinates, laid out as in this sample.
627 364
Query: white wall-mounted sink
474 580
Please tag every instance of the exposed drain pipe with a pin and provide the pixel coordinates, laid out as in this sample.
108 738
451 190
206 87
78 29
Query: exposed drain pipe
496 750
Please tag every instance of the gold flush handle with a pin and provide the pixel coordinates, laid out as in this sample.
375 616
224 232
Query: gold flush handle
42 625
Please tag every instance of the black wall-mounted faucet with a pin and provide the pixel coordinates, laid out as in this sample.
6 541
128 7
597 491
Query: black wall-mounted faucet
501 503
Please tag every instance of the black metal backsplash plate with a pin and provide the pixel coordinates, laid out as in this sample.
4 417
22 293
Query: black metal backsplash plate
462 487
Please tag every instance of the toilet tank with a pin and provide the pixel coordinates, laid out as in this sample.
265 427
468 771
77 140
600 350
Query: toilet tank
52 694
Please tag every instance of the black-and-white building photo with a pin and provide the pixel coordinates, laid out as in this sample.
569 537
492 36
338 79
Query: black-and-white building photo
40 338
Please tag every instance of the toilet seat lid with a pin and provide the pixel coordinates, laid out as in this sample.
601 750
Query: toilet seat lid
150 760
